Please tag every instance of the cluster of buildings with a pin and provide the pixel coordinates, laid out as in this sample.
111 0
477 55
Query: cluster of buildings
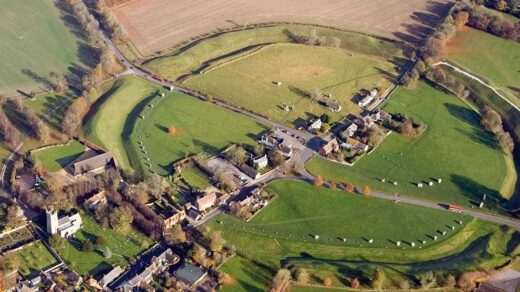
207 199
349 135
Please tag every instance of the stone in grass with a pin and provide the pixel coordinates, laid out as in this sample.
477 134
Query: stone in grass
370 240
395 183
398 243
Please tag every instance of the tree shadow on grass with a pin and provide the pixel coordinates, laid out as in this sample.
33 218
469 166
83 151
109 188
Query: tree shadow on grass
513 243
474 191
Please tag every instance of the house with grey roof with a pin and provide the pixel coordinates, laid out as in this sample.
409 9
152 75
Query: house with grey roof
110 276
89 161
189 274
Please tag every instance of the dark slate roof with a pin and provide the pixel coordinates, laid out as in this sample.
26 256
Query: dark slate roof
90 160
189 273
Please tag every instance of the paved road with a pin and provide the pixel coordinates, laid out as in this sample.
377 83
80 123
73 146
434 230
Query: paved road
307 153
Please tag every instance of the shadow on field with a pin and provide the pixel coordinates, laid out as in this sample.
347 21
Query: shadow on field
418 32
475 191
87 54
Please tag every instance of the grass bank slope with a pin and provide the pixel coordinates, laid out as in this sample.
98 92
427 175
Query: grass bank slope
454 148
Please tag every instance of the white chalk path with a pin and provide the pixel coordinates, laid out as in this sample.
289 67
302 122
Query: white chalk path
465 73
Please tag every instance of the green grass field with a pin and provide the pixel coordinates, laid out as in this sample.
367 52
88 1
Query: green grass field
34 258
195 177
233 43
123 247
454 148
113 110
58 157
249 81
201 127
264 244
33 38
471 49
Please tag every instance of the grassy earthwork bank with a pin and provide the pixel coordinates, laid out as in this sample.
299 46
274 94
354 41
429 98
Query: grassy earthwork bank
107 122
122 246
200 127
34 258
35 41
249 82
242 68
57 157
131 120
492 58
282 234
220 47
454 148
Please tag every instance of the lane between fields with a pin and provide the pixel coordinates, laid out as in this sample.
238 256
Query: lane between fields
306 153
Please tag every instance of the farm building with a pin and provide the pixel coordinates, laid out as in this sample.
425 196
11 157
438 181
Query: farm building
333 106
369 98
315 125
91 161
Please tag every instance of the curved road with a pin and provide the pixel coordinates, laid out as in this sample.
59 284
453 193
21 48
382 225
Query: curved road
303 156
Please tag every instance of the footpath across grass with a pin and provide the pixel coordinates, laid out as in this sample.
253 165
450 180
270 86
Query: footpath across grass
454 148
58 157
122 246
302 210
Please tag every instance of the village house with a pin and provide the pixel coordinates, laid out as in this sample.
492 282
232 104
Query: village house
349 131
333 106
384 116
329 147
260 162
157 265
173 218
369 98
286 149
269 140
189 274
355 144
110 276
98 199
64 226
90 161
250 172
206 201
315 125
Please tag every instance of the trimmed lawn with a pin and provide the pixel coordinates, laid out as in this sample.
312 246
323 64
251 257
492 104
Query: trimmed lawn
454 148
201 127
35 41
106 124
123 247
264 244
57 157
195 177
233 43
471 49
34 258
248 81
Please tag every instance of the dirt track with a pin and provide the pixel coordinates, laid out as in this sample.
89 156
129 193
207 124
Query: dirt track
155 25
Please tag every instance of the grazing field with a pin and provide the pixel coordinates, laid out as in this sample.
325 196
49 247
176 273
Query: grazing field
58 157
490 57
34 42
249 81
226 46
264 243
107 122
34 258
200 127
454 148
154 25
122 246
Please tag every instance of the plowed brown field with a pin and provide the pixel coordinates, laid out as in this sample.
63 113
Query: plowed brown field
155 25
